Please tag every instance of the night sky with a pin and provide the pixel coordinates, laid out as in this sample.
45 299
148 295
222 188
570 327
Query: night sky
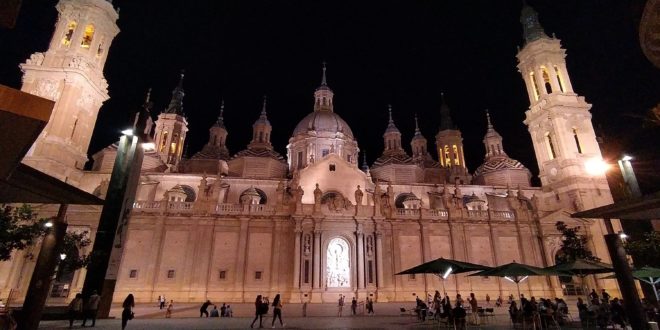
404 53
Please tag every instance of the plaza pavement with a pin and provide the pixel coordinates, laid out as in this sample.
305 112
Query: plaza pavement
319 316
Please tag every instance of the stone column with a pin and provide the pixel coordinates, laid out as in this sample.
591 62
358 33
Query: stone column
379 260
240 258
568 88
317 260
360 259
296 258
554 80
538 75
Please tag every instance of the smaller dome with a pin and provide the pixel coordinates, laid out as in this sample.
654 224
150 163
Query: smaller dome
178 189
251 192
495 164
472 198
323 121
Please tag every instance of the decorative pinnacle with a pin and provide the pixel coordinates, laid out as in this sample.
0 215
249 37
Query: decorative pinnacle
148 96
490 125
323 80
263 109
389 110
183 73
416 125
222 111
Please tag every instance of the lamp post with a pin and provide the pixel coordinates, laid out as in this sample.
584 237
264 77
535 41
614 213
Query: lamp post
629 176
618 255
108 243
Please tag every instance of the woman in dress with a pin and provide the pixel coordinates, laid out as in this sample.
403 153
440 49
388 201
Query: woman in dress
127 313
277 310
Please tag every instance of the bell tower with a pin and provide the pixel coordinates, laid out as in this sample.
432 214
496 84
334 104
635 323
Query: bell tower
559 121
70 73
171 128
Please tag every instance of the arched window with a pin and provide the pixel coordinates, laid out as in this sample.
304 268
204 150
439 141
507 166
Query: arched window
175 137
190 193
577 140
535 87
88 35
215 140
66 40
163 142
457 160
546 80
338 264
261 136
550 146
560 79
447 159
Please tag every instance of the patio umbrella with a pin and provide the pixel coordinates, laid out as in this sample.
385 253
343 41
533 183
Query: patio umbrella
581 268
648 275
517 273
442 268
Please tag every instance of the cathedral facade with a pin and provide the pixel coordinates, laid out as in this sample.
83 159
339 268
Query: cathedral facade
315 223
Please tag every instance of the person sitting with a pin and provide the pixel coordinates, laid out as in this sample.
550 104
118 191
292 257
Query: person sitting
514 312
498 302
214 312
421 309
229 312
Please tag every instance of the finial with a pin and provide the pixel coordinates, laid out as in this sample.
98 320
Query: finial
222 111
148 96
181 75
323 80
490 125
263 109
389 110
416 125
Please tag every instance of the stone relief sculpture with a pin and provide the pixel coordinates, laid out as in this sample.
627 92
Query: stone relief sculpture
338 264
358 196
307 244
370 246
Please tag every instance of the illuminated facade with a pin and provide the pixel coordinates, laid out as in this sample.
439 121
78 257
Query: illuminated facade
313 225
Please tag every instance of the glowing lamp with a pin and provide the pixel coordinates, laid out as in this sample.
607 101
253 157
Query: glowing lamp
447 273
149 146
596 166
62 256
622 235
48 224
626 158
128 132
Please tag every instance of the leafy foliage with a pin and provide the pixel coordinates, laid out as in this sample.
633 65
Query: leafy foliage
20 228
573 244
648 246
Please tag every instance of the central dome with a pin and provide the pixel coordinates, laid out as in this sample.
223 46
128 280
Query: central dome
323 121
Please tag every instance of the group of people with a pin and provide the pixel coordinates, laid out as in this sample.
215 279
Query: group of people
369 305
440 307
80 308
542 313
170 306
262 305
602 311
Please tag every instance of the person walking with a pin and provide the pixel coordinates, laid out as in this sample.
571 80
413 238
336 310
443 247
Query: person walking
203 309
91 308
75 308
127 312
341 305
277 311
168 311
258 308
354 306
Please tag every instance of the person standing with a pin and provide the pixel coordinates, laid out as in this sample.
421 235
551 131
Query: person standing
229 312
341 304
277 310
91 308
475 307
75 308
258 308
170 307
487 300
214 311
162 301
223 310
354 306
203 309
304 306
606 296
127 310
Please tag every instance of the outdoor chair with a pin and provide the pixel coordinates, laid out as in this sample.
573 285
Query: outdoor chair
489 314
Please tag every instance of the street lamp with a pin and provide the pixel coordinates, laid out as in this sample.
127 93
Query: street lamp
629 176
48 224
62 256
127 132
596 166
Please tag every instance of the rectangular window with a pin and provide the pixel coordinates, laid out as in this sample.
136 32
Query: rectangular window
171 273
222 275
132 273
299 164
550 146
325 152
577 140
306 271
257 275
370 271
332 167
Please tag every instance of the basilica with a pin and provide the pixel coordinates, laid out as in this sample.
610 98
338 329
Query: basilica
317 222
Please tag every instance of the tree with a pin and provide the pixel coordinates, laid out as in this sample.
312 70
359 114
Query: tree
647 248
20 228
573 244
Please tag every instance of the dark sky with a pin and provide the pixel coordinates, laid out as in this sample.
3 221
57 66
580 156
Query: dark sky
399 52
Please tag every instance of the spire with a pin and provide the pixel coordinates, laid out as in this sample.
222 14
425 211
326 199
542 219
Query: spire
490 125
532 29
148 105
323 80
445 115
221 118
390 126
365 166
492 140
263 117
176 104
417 132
